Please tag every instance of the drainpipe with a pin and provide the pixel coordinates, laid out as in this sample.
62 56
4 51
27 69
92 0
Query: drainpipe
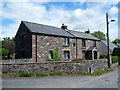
76 47
36 45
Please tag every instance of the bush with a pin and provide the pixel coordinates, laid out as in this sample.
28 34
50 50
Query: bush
115 59
116 52
56 56
78 59
103 56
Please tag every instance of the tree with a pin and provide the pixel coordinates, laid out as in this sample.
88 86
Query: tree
5 53
100 35
116 52
8 48
116 41
5 40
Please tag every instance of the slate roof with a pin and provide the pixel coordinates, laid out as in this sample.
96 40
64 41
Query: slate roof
83 35
111 45
50 30
104 47
45 29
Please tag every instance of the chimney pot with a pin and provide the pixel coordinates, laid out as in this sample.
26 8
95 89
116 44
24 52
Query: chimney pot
63 26
88 32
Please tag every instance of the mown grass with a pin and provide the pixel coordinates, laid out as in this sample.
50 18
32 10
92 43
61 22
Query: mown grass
56 74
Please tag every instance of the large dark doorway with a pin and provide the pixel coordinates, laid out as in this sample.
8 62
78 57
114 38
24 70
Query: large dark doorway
88 55
22 54
95 54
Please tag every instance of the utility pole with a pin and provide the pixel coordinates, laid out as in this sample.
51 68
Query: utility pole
107 22
108 54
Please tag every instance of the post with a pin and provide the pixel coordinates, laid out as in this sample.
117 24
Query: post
108 57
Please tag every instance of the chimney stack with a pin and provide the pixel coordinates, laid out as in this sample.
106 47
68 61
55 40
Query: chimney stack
63 26
88 32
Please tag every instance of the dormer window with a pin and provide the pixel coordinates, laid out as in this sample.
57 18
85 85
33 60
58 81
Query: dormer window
66 42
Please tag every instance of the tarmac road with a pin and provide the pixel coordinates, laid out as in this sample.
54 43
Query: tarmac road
109 80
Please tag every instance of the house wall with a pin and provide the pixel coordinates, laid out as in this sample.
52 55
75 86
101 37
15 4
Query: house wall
88 44
46 43
26 46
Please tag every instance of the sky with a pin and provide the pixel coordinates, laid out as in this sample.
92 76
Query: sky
77 15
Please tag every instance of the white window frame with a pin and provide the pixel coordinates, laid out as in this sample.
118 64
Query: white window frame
66 42
66 54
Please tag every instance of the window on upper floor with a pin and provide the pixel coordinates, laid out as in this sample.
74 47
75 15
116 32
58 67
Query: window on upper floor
83 43
66 42
66 54
94 43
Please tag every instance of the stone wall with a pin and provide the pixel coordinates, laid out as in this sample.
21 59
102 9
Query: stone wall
55 67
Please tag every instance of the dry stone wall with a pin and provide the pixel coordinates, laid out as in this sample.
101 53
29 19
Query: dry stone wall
54 67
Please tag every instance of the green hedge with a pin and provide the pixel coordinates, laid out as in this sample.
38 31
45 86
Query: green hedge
116 52
115 59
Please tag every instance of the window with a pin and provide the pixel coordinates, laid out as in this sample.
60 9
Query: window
83 43
66 55
66 41
94 43
51 54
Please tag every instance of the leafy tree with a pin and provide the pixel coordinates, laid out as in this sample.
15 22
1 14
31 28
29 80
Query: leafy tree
99 35
116 41
8 48
116 52
5 40
5 53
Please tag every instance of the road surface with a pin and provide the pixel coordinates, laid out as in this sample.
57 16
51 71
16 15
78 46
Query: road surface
109 80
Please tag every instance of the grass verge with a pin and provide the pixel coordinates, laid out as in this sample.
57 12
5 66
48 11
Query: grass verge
56 74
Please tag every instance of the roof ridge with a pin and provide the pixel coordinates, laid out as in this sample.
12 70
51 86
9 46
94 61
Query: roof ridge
41 24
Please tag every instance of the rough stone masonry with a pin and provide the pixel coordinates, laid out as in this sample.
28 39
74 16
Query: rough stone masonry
55 67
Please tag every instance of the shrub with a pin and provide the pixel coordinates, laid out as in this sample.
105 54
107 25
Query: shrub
115 59
78 59
116 52
56 56
103 56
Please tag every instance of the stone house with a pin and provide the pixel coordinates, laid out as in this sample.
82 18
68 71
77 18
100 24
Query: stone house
37 41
